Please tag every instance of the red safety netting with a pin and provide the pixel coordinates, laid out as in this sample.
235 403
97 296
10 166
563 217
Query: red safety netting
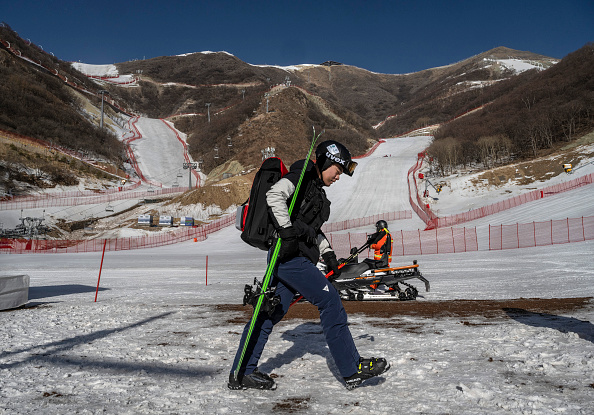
524 235
89 200
21 246
434 241
514 201
426 214
369 220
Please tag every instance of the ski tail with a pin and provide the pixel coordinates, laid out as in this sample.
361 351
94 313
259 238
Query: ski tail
273 258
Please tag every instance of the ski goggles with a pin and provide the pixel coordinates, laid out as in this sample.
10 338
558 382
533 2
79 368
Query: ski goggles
349 169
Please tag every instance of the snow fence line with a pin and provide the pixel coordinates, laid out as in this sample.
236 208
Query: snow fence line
524 235
19 246
26 141
433 221
88 200
434 241
455 240
186 153
54 71
36 246
368 220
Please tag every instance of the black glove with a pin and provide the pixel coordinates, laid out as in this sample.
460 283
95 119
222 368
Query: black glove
332 264
289 245
375 238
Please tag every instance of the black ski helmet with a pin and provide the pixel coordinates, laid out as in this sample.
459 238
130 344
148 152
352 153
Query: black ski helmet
331 151
381 224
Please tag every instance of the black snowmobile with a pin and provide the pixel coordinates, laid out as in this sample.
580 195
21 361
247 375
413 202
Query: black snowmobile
366 281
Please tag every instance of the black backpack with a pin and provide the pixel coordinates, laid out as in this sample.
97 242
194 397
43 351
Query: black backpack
253 218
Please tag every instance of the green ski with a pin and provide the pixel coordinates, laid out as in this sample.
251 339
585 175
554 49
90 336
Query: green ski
272 263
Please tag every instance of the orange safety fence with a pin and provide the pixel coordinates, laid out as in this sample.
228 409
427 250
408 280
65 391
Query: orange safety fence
524 235
24 246
418 242
433 221
369 220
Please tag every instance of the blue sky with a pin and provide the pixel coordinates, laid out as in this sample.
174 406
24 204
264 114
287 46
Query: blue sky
381 36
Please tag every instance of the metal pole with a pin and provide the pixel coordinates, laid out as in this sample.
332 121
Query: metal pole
102 92
101 125
190 166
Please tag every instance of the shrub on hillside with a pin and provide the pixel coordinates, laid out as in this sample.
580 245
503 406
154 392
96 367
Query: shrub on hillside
537 112
37 104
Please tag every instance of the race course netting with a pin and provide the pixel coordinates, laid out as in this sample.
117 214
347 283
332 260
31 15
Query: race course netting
182 234
433 221
524 235
434 241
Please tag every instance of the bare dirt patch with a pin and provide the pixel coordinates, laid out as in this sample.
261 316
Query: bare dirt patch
491 309
291 405
540 169
232 191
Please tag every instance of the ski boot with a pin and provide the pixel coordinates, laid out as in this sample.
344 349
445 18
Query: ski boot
367 368
254 380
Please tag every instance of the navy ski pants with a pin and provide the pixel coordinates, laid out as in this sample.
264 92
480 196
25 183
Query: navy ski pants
300 275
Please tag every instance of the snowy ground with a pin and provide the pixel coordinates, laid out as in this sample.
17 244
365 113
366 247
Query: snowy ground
158 341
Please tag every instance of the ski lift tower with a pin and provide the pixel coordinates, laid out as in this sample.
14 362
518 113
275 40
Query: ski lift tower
208 110
229 145
267 95
102 92
189 167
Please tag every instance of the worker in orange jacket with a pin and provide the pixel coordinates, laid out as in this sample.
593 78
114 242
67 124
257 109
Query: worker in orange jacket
383 247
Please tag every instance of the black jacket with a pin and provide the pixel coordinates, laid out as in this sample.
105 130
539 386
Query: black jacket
311 211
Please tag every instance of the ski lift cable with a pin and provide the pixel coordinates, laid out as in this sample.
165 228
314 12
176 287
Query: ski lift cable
168 175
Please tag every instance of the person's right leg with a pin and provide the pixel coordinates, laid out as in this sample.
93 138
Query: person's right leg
303 276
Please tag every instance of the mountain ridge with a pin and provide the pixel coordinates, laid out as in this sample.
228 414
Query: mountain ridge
352 104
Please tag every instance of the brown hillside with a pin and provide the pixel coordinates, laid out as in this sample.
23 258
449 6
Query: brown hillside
287 126
538 112
36 103
343 100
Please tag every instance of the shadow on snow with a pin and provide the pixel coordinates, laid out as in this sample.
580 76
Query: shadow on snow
584 329
308 338
53 353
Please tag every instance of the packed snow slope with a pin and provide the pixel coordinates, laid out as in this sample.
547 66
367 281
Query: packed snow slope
160 155
379 184
160 339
